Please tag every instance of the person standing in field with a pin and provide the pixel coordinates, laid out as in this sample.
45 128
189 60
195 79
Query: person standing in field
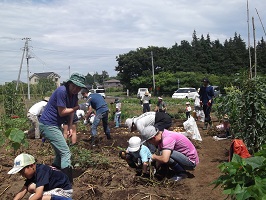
161 105
206 94
188 110
146 101
61 107
117 113
33 115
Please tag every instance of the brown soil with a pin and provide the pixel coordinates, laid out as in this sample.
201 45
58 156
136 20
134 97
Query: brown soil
117 181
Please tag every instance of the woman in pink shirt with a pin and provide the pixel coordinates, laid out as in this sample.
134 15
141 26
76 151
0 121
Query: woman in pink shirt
177 151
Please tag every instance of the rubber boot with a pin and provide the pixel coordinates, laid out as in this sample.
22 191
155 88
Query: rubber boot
210 123
205 126
108 136
68 171
56 166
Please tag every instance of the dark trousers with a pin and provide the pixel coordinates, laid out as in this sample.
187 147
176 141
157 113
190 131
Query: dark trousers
146 107
188 114
207 112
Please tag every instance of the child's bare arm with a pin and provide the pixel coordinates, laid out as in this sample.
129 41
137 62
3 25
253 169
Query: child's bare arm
38 194
21 193
145 167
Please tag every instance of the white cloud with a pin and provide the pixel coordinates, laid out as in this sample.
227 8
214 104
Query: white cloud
88 34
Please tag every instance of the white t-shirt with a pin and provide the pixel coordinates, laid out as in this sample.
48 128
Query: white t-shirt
118 107
145 99
37 108
144 120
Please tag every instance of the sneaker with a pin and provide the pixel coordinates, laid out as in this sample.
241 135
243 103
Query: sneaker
179 177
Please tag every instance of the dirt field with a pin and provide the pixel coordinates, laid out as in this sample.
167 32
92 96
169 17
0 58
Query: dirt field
117 181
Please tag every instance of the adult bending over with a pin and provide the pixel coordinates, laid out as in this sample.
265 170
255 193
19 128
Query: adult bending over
60 108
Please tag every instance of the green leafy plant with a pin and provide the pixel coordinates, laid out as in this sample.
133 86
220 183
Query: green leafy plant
83 158
20 123
244 178
246 109
13 138
13 103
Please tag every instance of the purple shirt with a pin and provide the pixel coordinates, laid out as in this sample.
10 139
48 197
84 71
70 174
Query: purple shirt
177 142
59 98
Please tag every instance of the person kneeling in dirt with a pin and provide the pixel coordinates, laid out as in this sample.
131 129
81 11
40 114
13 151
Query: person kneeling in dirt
42 181
177 151
223 129
137 156
160 120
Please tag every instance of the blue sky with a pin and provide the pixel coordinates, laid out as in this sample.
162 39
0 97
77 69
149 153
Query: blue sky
87 35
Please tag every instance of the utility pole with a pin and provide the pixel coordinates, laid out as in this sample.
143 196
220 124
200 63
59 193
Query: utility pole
249 53
153 78
18 80
25 49
69 71
255 49
28 70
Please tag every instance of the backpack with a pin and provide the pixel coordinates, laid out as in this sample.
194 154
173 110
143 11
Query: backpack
238 147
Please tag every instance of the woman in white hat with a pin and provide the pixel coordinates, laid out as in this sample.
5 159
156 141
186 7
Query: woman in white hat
146 101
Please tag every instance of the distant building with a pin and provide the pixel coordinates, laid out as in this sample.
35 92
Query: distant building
112 83
34 78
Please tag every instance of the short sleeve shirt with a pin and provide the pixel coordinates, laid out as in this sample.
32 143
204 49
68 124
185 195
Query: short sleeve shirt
178 142
144 120
50 178
59 98
37 108
144 154
161 104
97 102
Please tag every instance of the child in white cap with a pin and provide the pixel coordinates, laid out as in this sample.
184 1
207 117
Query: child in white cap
43 181
188 110
137 155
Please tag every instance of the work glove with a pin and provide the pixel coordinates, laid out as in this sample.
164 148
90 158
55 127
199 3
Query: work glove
83 106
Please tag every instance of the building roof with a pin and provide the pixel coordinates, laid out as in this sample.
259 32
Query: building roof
44 75
112 81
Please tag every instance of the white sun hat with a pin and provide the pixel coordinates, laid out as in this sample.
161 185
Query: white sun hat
134 144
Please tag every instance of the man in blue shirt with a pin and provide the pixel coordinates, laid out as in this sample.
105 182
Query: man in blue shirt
96 101
206 100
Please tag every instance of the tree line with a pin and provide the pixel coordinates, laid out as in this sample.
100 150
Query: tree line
189 62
